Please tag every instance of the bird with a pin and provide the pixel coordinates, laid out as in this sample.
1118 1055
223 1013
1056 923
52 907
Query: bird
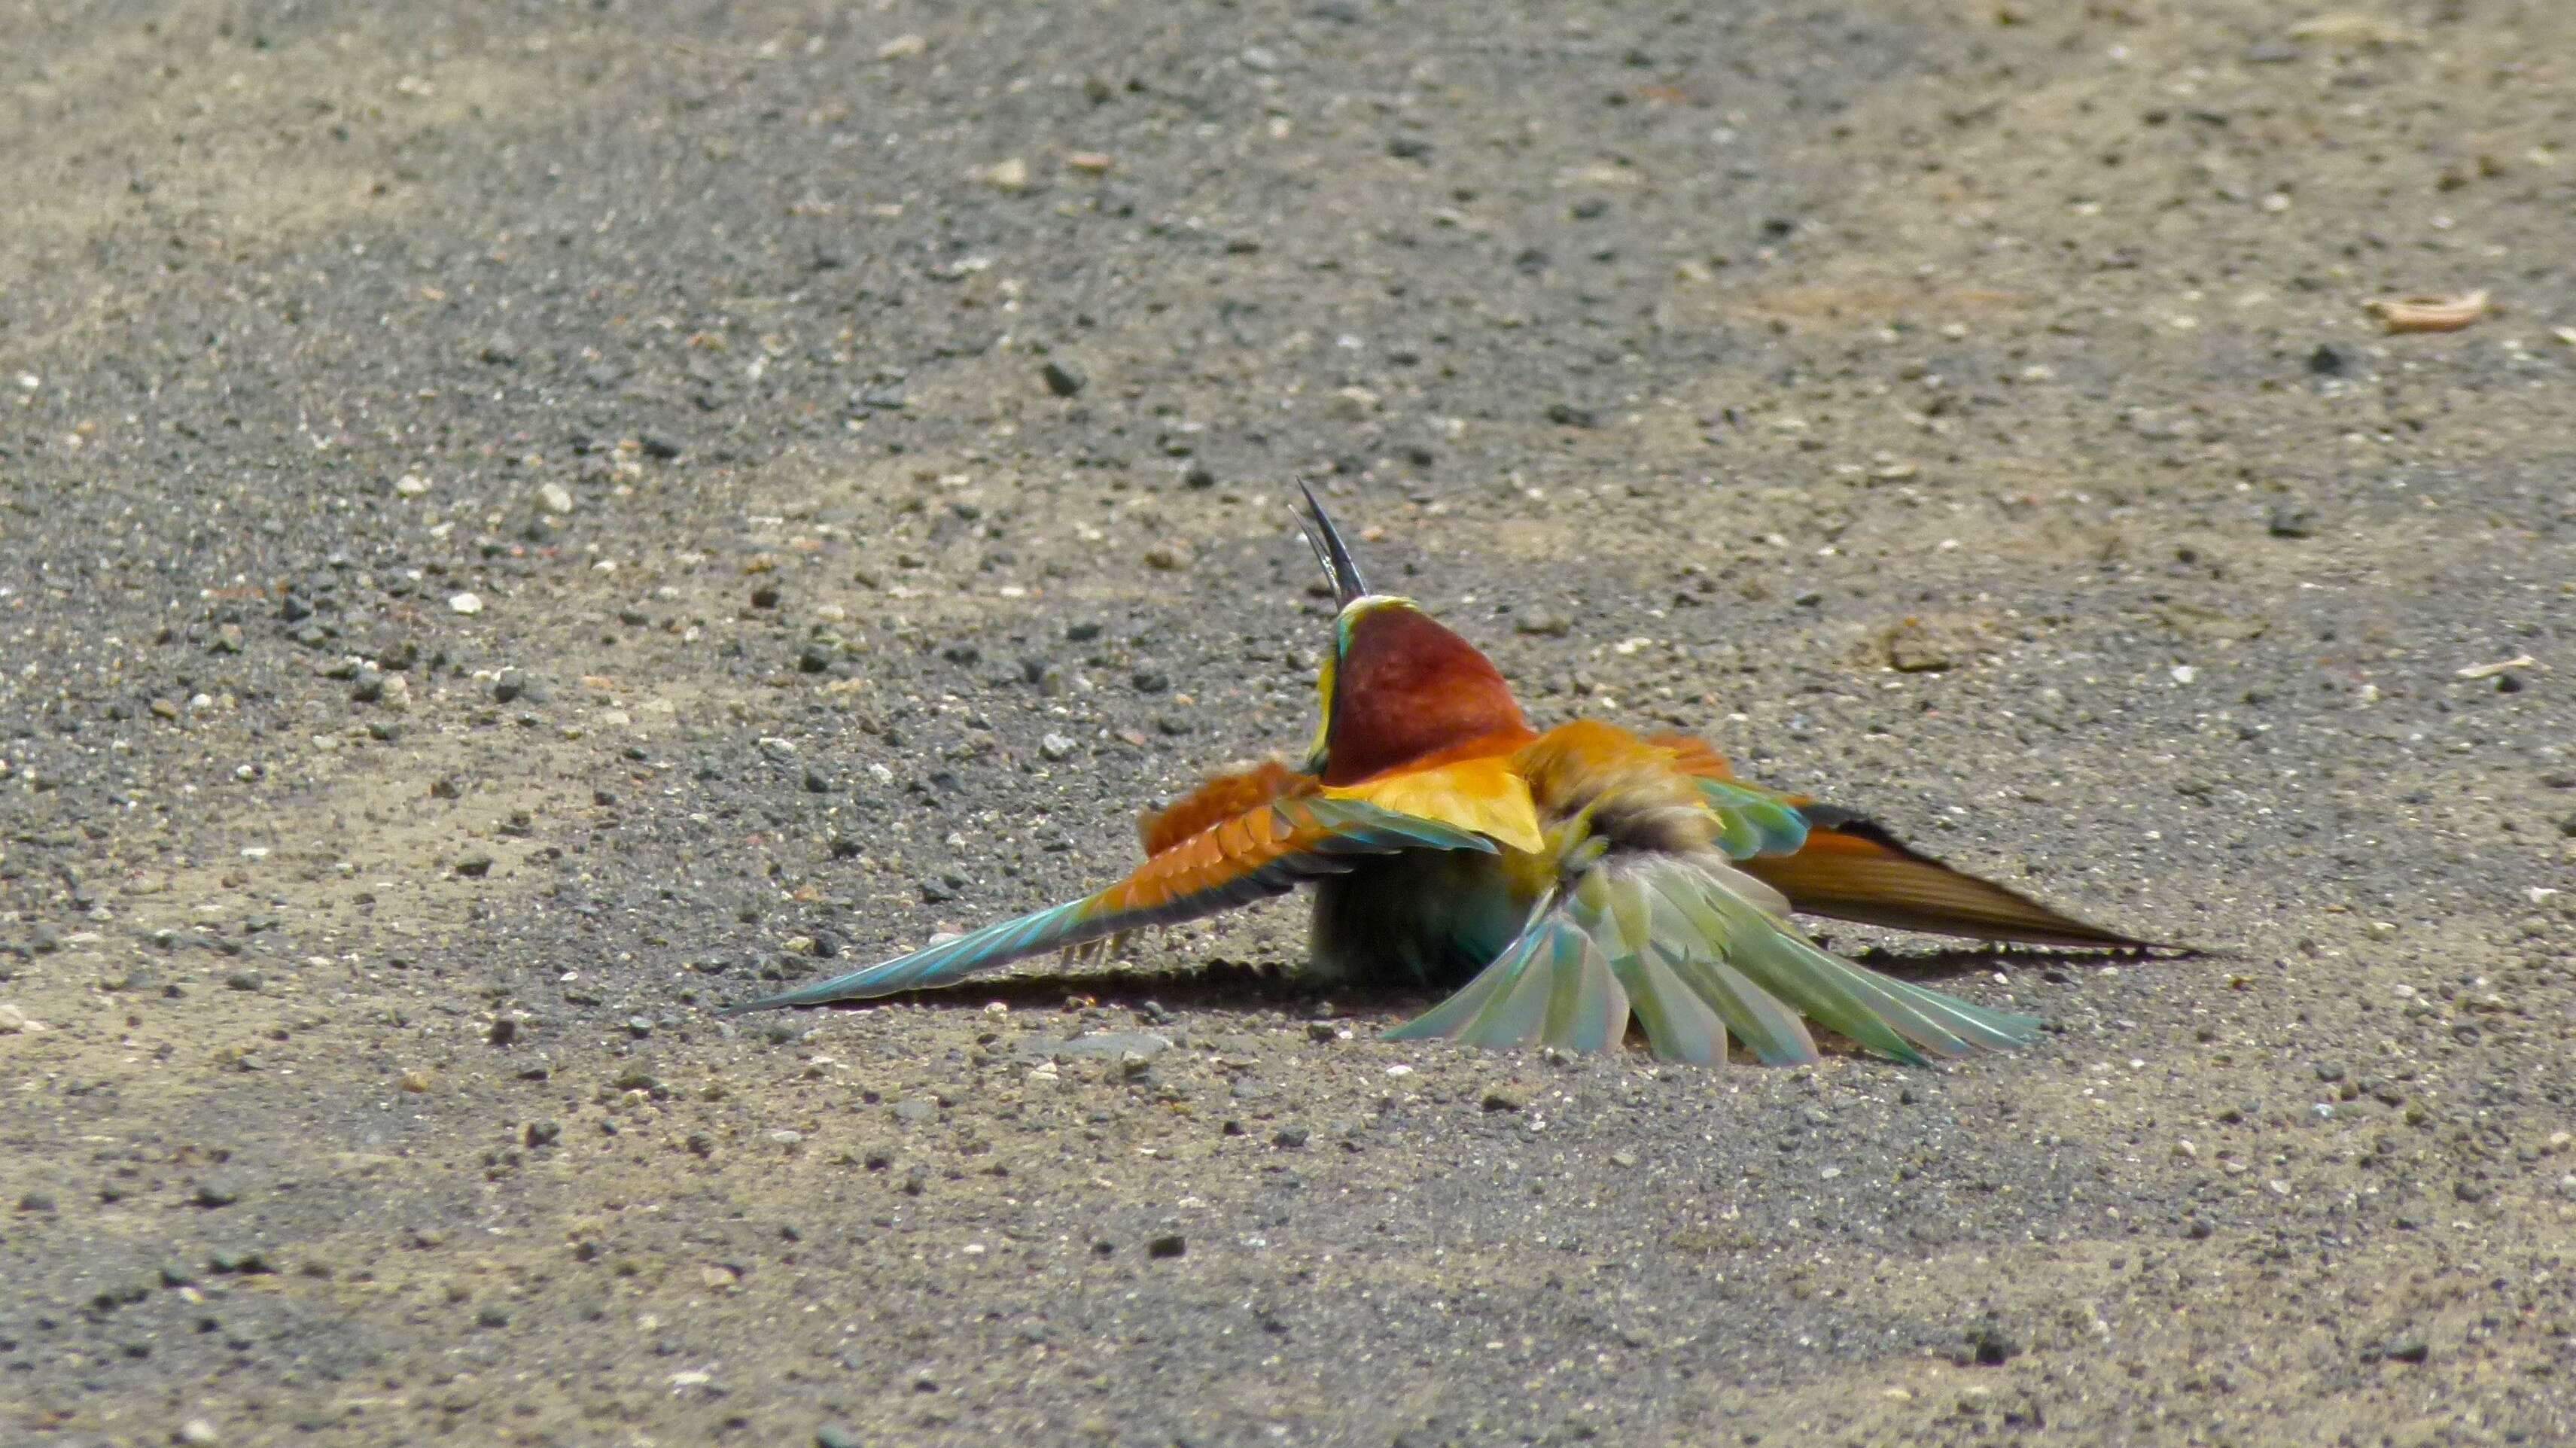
1558 883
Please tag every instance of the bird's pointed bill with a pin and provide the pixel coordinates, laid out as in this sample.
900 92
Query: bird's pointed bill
1340 569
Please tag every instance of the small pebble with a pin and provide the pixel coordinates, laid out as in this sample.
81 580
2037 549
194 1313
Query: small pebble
465 603
1063 380
1171 1244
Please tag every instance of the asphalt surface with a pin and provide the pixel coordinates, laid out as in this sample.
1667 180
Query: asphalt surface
520 524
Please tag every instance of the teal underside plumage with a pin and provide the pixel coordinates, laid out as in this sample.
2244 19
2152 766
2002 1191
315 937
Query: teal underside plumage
1671 939
1752 820
1338 834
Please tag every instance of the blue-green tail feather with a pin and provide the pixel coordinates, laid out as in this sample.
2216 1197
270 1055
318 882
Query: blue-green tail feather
1680 943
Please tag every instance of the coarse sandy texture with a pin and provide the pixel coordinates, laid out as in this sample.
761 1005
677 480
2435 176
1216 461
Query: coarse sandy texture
522 523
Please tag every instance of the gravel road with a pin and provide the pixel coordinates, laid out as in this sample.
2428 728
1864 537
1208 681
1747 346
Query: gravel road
523 523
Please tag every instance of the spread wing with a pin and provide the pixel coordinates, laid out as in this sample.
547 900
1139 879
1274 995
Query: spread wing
1751 821
1852 868
1266 850
1218 798
1841 863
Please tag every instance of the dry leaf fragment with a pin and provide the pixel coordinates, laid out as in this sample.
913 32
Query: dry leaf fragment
2428 313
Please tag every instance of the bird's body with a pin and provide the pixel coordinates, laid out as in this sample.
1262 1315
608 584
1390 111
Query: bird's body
1562 880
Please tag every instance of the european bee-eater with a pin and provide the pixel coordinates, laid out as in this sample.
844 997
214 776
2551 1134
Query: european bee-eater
1563 880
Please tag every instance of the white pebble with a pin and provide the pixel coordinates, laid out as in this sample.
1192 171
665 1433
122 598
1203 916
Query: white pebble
465 603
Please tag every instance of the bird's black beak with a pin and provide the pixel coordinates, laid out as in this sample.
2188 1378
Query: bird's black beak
1330 551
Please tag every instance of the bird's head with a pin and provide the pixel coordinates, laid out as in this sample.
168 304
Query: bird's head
1397 687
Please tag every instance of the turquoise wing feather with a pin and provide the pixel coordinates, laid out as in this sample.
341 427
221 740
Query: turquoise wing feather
1265 851
1752 820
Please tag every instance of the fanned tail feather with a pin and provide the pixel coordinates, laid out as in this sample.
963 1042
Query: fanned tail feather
1685 944
1266 851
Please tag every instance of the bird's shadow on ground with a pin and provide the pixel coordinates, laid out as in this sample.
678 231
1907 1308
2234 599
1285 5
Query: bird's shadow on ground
1226 985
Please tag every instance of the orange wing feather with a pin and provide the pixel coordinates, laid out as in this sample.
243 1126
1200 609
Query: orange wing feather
1853 868
1222 797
